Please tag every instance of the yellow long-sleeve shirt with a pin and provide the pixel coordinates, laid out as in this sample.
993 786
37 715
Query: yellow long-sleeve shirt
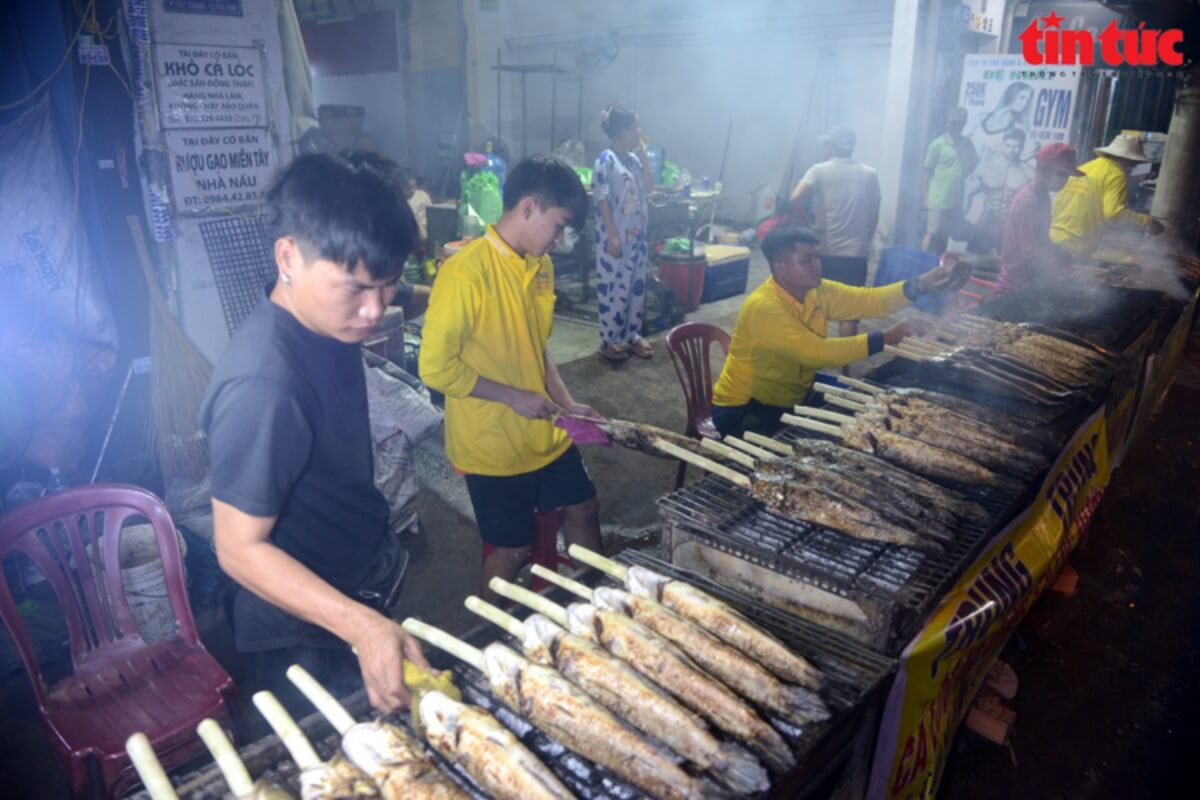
1089 202
779 343
490 315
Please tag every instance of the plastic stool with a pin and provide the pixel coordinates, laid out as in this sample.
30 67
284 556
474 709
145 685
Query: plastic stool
545 543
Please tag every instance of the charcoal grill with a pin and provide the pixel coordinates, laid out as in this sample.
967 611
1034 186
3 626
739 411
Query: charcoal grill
875 593
855 676
1108 316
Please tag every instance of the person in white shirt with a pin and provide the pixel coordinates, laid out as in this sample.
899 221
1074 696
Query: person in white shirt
845 212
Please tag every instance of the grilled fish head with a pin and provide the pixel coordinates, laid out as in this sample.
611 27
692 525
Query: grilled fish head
503 668
265 790
377 746
336 779
539 636
581 621
609 599
440 715
645 583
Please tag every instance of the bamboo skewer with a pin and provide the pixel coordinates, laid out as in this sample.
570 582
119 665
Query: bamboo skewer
507 622
769 443
468 654
563 582
519 594
823 413
869 388
842 402
750 449
826 389
320 697
896 351
297 744
706 464
597 561
919 343
237 777
149 769
727 452
917 351
810 425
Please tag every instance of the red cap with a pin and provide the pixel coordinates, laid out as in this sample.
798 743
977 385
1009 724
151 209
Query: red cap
1062 155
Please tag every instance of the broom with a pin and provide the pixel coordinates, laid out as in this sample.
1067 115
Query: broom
178 379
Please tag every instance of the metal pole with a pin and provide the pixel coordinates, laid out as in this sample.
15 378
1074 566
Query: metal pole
499 77
553 96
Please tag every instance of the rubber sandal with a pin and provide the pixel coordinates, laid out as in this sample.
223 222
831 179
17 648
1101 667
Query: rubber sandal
612 354
642 349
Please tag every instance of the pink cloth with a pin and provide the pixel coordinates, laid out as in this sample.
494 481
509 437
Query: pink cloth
583 432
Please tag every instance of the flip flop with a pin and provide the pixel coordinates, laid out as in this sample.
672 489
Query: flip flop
642 349
612 354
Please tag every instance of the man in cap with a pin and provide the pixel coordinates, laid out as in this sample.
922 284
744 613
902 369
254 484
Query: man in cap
845 211
949 159
1089 203
1026 252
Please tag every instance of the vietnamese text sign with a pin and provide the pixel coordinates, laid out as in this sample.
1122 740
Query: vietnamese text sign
210 86
213 170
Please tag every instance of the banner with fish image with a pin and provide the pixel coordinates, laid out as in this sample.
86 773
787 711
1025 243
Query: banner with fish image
1013 109
945 664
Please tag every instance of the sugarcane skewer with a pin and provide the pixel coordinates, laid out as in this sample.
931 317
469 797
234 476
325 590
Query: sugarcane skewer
599 562
237 777
319 696
842 402
149 769
905 354
856 383
811 425
706 464
297 744
519 594
828 389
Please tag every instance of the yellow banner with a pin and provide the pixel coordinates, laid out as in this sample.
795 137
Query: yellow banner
943 667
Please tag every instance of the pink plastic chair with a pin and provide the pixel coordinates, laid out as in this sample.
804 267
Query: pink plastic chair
121 684
690 345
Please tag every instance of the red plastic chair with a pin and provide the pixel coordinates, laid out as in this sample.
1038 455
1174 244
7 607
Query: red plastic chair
690 345
545 544
121 684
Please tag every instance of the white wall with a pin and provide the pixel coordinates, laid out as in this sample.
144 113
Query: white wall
689 66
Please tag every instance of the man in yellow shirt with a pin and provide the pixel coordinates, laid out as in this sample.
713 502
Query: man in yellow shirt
484 346
779 340
1086 205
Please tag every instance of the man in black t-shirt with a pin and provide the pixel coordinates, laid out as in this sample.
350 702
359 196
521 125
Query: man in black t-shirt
298 521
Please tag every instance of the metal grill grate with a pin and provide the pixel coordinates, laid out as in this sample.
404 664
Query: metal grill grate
241 264
901 585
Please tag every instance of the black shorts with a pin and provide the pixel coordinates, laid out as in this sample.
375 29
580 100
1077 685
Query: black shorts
505 505
844 269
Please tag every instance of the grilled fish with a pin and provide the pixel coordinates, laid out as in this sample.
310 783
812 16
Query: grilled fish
487 750
397 764
740 673
667 666
923 459
563 712
622 690
336 779
725 623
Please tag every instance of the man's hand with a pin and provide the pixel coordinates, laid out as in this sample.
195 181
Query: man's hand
951 275
532 405
582 410
902 330
613 246
382 649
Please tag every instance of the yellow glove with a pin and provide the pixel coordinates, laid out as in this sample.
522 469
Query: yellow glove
419 681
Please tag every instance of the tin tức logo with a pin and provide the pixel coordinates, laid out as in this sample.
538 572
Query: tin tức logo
1046 42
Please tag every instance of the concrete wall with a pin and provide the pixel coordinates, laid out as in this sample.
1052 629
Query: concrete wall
782 71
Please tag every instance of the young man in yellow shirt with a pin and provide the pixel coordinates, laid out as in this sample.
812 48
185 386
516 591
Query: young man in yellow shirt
484 346
780 341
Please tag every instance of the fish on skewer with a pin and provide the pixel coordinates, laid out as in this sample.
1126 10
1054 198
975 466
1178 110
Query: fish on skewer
565 713
393 759
623 691
488 751
237 778
978 374
728 664
149 768
336 779
712 614
922 458
797 499
664 664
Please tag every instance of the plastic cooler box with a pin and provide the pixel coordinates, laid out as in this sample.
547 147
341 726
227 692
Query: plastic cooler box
726 272
683 275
